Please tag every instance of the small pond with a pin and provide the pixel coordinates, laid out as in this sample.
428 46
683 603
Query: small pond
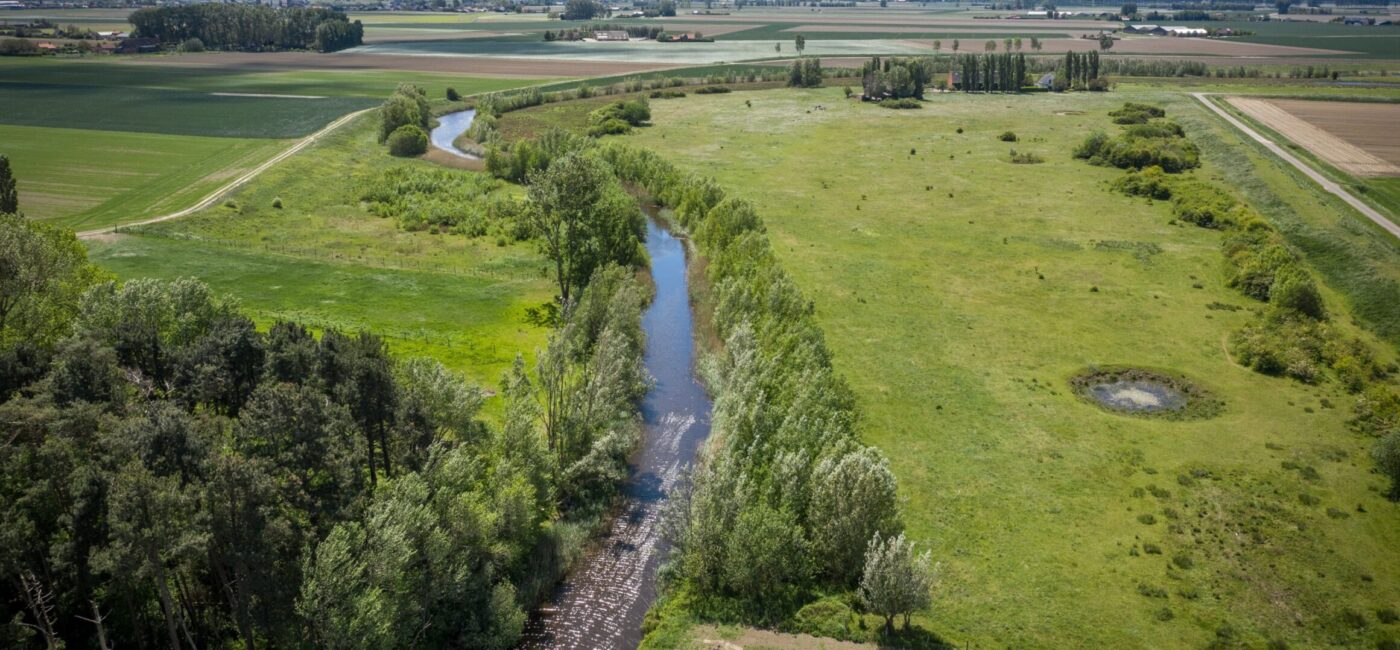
1136 391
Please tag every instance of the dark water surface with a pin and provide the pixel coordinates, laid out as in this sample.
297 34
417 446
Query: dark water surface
449 127
601 603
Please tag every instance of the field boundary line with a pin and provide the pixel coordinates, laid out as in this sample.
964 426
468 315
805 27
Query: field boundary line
1327 184
235 183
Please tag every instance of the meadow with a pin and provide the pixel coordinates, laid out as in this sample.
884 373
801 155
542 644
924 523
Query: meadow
321 259
959 292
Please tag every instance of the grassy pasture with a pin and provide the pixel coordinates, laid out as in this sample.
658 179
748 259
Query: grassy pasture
959 292
86 179
324 260
114 108
206 79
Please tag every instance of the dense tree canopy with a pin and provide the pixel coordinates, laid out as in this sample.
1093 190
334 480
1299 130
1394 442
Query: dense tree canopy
248 27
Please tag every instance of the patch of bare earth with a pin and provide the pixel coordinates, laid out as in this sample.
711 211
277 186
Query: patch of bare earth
709 638
465 65
1317 127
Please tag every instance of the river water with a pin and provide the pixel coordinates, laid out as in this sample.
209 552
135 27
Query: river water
600 605
449 127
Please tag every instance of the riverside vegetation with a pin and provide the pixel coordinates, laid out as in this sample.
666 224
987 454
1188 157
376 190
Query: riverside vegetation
177 477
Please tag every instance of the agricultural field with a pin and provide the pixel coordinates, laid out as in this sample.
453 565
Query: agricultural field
1350 141
960 292
157 138
322 260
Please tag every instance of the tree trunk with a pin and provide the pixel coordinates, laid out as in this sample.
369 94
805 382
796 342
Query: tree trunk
166 603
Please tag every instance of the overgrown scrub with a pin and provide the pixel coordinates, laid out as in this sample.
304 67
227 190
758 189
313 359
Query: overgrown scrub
619 117
516 161
1155 144
1135 113
785 460
1150 182
423 197
904 103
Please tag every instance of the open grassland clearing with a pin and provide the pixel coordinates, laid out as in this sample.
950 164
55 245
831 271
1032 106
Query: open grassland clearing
960 292
323 259
85 179
135 73
176 112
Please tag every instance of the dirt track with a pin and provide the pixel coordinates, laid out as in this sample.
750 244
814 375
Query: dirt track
1279 115
475 66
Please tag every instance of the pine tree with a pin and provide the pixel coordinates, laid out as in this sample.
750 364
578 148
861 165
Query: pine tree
9 197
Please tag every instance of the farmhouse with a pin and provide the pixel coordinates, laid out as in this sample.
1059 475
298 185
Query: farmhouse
138 46
610 35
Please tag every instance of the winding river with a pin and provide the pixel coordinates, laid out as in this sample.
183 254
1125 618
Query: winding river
449 127
600 605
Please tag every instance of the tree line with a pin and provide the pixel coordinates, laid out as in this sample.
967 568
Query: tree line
177 477
248 27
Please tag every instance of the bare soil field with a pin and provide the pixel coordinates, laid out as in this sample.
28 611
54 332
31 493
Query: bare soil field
929 21
1166 45
889 29
1358 138
475 66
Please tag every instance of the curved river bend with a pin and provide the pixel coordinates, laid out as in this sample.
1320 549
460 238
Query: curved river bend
600 605
449 127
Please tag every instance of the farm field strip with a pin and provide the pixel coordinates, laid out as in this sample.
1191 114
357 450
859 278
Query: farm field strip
119 176
1370 126
1344 155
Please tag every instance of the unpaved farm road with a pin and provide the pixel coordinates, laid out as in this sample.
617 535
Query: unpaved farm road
1289 158
235 183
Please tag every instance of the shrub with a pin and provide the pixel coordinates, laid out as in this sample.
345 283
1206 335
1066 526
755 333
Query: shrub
1151 591
408 105
712 90
1293 289
1387 615
1146 518
1183 561
1135 113
1151 549
829 617
277 203
1164 129
1203 204
1283 345
612 126
1007 136
1173 155
1025 158
666 94
408 140
634 112
1150 182
904 103
190 45
1387 456
1091 146
453 95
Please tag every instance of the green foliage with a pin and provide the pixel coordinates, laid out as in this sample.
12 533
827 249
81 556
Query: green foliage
190 45
895 580
1293 289
419 198
583 10
1387 456
905 103
407 141
896 78
248 27
9 196
805 72
1025 158
1203 204
43 271
1150 182
1172 154
713 90
619 117
453 95
1007 136
1136 113
407 106
518 161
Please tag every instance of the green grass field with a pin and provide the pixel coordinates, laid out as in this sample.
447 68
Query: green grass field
111 108
959 292
322 259
86 179
205 79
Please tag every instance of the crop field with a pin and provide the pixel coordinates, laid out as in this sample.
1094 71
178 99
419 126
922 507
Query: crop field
1300 122
959 293
189 74
322 259
120 176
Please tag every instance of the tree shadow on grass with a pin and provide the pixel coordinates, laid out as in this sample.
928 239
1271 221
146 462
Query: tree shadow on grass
913 638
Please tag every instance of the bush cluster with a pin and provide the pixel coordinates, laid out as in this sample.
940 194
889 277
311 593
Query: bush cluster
619 117
1135 113
419 198
407 141
904 103
1150 182
407 106
1126 151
